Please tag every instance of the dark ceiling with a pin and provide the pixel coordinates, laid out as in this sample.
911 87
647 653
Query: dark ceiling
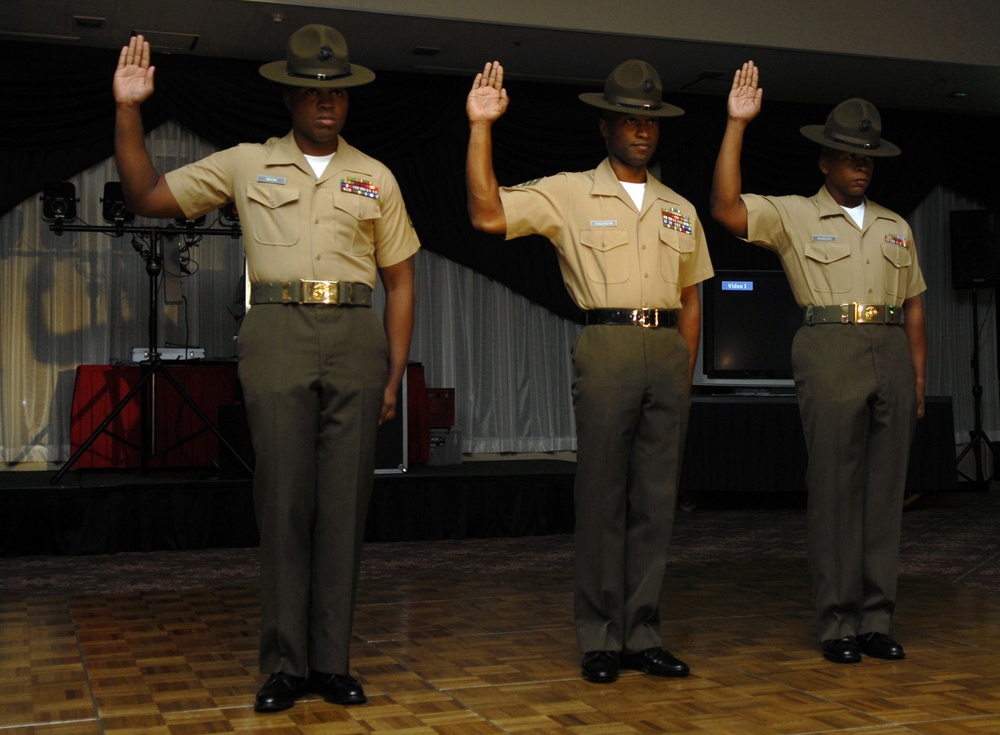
573 52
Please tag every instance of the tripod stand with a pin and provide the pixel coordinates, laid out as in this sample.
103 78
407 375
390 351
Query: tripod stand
151 368
977 436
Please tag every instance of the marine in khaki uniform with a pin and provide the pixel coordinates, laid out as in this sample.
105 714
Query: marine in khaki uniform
319 370
632 252
858 361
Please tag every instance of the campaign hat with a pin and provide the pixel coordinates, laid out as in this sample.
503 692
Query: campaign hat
316 56
633 87
855 126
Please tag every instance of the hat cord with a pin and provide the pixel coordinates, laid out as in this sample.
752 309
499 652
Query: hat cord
320 77
633 105
852 143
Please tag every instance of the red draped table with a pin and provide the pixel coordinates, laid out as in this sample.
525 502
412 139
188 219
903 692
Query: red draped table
177 437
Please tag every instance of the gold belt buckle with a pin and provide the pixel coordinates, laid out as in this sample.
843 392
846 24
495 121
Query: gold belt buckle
319 292
866 313
642 318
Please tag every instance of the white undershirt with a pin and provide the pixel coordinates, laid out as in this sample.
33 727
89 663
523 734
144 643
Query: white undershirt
319 163
857 213
636 191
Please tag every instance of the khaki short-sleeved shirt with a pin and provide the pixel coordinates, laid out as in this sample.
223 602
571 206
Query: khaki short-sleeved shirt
828 259
343 226
612 256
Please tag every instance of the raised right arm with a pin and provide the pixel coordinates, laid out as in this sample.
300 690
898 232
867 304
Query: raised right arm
486 102
743 106
146 191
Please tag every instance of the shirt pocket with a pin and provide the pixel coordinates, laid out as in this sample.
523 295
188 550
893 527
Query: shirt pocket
605 257
828 267
674 248
355 217
897 268
274 216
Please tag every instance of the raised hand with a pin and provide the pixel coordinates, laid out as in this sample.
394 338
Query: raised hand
134 76
487 99
745 96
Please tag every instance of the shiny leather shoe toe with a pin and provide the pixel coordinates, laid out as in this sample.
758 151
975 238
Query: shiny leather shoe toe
880 645
600 667
279 692
656 662
336 688
842 650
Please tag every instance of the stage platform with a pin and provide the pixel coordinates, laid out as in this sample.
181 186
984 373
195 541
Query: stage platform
739 450
107 511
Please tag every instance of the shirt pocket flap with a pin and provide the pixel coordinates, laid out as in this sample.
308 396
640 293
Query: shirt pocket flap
680 242
603 238
827 252
271 196
896 254
357 206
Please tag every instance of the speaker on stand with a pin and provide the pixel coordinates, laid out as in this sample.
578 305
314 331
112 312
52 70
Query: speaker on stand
975 265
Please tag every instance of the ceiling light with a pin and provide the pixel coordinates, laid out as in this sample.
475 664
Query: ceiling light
708 80
89 21
167 41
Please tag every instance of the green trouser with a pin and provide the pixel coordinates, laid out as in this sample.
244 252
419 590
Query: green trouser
313 378
631 399
857 398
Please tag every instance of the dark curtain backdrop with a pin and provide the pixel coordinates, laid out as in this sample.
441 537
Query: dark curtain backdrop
58 119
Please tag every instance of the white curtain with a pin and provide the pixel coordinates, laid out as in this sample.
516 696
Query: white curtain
950 321
507 358
83 298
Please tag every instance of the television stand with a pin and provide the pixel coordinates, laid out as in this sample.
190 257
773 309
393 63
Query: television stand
764 392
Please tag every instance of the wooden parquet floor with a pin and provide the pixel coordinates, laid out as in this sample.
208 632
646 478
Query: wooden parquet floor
460 651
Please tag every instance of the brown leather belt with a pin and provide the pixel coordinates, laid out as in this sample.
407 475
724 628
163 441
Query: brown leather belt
853 313
324 293
649 318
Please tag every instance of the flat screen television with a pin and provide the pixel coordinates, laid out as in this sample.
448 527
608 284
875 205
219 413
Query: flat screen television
749 320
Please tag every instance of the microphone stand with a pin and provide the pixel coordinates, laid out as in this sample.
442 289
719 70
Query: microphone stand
977 436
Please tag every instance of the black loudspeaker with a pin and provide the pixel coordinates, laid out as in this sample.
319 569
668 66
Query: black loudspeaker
975 249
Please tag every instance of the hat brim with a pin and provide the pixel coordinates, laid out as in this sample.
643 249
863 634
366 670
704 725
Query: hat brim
596 99
277 71
816 133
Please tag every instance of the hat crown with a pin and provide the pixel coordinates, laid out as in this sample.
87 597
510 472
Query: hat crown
633 87
634 84
316 56
854 122
317 52
854 125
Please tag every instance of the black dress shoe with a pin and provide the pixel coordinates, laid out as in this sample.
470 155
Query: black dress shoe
600 667
880 645
279 692
842 650
336 688
655 661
